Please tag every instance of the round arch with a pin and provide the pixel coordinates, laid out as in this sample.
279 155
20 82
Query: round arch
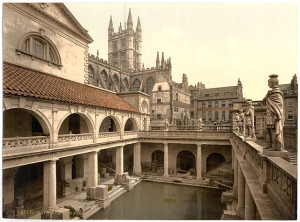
110 124
131 124
213 160
39 116
157 158
88 121
186 161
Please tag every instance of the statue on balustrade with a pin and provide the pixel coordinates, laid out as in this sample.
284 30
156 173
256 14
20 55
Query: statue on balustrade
167 124
235 122
200 123
241 123
249 121
274 115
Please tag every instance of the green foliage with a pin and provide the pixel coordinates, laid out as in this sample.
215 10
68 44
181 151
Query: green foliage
109 187
73 212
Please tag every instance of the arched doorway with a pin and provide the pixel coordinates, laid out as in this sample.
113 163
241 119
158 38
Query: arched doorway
108 125
130 125
22 123
73 124
214 160
186 161
157 159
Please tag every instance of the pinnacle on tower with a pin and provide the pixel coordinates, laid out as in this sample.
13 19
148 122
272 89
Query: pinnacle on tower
138 26
129 21
170 64
162 60
120 27
157 60
111 26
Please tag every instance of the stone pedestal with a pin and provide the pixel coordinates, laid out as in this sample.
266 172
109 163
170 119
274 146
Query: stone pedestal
284 154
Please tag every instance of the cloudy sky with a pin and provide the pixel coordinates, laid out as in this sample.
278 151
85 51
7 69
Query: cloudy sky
213 43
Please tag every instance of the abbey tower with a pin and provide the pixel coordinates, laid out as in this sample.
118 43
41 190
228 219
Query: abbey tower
125 46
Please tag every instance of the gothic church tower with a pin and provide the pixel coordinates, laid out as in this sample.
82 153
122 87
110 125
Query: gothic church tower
125 46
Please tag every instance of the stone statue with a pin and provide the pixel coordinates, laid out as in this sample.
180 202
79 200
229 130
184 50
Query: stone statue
274 116
235 122
249 121
200 123
166 124
241 123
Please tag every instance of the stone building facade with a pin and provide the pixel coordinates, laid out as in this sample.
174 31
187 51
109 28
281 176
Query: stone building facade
215 104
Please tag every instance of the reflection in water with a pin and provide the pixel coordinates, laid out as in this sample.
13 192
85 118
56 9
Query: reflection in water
158 201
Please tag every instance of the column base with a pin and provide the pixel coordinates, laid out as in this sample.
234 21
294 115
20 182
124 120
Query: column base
166 176
137 170
240 211
56 214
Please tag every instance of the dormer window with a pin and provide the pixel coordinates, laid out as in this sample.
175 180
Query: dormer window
37 45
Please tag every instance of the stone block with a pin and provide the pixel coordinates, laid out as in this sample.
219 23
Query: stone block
284 154
101 192
61 214
106 175
92 193
118 179
46 215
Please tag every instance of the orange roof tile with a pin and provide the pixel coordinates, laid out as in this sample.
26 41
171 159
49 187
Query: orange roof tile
22 81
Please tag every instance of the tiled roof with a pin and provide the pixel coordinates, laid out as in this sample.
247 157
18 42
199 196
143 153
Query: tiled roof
22 81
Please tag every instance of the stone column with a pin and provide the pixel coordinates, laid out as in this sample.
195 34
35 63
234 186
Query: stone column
50 185
93 169
240 211
166 160
119 161
137 169
66 168
235 185
249 204
199 162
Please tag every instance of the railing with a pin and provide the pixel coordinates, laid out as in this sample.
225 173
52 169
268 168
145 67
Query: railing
204 127
185 134
275 173
127 133
216 128
109 134
74 137
25 141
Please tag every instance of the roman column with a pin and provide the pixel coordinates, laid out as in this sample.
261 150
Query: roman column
93 169
199 162
137 159
166 160
119 161
50 185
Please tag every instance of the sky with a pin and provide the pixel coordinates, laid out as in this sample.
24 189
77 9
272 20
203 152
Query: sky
213 43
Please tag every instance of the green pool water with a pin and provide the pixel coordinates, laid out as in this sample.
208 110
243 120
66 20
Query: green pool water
158 201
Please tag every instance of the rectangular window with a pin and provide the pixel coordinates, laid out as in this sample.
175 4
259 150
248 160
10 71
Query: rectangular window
230 103
229 115
203 115
158 101
206 95
223 115
209 104
223 103
159 88
216 115
209 115
176 96
203 104
290 115
216 103
152 112
38 49
290 103
158 116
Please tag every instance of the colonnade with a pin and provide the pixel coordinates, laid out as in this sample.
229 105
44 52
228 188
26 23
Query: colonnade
90 171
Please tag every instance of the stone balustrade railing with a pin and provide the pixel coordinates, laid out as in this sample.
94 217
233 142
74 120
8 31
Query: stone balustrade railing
205 127
127 133
184 134
277 177
25 141
109 134
74 137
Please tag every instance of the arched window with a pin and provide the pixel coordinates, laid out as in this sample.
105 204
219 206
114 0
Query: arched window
116 80
39 46
125 81
91 74
103 75
149 85
136 85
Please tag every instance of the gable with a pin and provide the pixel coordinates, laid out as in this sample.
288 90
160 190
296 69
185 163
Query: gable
60 13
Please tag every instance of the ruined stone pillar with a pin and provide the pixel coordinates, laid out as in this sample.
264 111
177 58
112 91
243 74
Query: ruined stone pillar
119 161
50 185
137 169
199 162
166 160
93 169
240 211
249 204
235 185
